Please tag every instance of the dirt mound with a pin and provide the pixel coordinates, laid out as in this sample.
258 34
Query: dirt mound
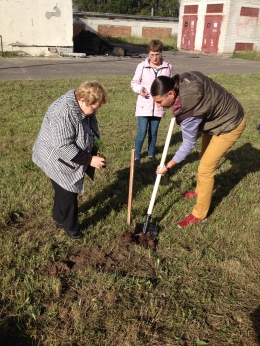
136 236
106 260
116 258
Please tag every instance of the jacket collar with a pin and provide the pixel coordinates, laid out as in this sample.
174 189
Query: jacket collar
74 106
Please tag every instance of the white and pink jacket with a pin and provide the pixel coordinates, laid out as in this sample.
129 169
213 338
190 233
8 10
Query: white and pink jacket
144 76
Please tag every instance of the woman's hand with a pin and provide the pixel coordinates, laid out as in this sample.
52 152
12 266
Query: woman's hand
143 92
162 170
98 162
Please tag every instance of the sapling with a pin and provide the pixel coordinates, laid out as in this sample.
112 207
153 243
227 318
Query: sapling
98 148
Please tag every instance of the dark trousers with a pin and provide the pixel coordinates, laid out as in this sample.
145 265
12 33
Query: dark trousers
65 208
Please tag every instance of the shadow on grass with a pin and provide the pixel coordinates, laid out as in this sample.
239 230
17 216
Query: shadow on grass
244 160
12 334
115 196
255 318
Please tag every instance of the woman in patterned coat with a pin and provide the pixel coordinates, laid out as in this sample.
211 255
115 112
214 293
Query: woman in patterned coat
63 149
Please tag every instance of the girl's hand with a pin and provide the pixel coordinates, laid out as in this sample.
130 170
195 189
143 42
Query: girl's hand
143 92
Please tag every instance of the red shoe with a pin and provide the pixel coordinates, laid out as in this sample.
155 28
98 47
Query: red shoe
188 220
190 194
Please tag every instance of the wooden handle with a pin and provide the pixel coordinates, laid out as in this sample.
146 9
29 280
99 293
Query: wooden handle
130 192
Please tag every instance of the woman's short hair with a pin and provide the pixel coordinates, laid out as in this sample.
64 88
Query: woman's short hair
155 46
91 92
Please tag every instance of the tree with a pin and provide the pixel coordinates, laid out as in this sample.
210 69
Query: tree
166 8
123 6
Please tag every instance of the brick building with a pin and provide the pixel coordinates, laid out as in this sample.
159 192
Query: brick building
119 25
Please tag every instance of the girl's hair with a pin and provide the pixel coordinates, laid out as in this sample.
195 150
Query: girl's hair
155 46
163 84
91 92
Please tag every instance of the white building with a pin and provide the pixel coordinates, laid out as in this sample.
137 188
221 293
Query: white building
37 27
42 27
217 26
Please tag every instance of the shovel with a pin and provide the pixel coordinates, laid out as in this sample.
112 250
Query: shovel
146 227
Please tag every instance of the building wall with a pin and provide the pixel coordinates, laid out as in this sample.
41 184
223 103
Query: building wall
223 46
33 26
236 31
119 26
243 28
39 27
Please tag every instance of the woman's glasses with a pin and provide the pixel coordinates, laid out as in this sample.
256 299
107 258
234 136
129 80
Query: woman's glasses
155 55
94 109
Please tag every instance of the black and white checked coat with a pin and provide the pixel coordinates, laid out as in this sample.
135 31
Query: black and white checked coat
64 132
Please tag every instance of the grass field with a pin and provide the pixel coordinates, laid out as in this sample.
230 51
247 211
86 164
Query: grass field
199 287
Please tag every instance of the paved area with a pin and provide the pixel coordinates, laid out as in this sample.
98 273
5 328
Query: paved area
26 68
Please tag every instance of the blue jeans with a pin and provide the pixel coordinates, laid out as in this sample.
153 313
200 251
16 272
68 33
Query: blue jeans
146 123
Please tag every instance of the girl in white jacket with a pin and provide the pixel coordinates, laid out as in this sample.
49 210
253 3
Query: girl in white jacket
147 113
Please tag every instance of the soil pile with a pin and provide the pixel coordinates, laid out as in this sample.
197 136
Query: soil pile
105 260
136 236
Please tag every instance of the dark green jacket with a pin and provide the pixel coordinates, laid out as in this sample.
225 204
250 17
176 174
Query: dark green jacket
199 95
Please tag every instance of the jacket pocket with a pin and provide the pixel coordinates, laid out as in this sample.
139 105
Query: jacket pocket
63 164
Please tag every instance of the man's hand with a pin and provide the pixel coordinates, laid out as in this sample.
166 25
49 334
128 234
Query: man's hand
161 171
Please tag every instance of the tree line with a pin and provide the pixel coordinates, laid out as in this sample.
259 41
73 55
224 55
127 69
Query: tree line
163 8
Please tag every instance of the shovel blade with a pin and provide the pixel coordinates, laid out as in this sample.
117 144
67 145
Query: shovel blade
153 230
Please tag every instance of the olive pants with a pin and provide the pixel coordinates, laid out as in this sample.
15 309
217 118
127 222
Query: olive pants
213 148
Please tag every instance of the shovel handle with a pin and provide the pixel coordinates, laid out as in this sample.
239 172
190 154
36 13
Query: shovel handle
130 192
167 142
164 154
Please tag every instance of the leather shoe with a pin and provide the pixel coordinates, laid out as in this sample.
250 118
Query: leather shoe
74 234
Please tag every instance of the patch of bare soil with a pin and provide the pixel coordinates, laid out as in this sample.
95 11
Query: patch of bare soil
59 267
116 258
16 223
13 219
108 260
136 236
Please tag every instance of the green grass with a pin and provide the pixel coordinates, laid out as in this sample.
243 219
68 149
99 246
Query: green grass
8 54
249 55
200 287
